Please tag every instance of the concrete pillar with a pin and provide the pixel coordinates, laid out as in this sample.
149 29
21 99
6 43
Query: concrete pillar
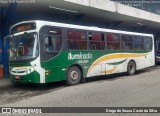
6 13
1 15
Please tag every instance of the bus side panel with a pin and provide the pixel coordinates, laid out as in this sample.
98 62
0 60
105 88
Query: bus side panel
150 59
118 62
56 68
93 63
105 62
53 74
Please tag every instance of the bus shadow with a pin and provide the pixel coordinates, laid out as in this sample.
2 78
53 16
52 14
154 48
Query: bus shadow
36 87
112 77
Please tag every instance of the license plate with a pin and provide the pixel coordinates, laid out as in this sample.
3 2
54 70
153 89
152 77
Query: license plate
17 77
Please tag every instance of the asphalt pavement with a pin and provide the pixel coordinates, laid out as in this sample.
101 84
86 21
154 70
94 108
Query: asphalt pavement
5 82
121 90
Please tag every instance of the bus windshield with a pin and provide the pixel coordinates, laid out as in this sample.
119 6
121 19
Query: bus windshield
23 47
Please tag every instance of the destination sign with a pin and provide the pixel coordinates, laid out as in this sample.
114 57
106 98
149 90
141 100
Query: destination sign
23 27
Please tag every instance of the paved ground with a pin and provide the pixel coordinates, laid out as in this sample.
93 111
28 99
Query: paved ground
140 90
5 82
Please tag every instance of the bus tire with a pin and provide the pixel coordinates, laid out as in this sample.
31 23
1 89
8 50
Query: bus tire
73 75
131 68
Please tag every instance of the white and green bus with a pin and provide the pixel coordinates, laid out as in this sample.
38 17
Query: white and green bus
42 52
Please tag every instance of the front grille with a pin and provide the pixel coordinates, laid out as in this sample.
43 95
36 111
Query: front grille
18 71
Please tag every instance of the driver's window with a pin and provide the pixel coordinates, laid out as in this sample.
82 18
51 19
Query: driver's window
53 43
50 41
49 44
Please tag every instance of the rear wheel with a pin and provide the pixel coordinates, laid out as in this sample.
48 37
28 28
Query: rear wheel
73 75
131 68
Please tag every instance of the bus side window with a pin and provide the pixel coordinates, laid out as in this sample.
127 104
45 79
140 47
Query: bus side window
127 43
147 43
102 42
72 39
96 41
76 39
82 40
138 43
48 43
53 43
113 41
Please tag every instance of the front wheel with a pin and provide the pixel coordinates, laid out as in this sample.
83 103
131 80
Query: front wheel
73 75
131 68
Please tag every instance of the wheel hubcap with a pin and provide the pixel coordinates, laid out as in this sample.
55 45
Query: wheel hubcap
131 67
74 75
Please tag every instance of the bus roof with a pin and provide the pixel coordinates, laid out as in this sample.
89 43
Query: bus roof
90 28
